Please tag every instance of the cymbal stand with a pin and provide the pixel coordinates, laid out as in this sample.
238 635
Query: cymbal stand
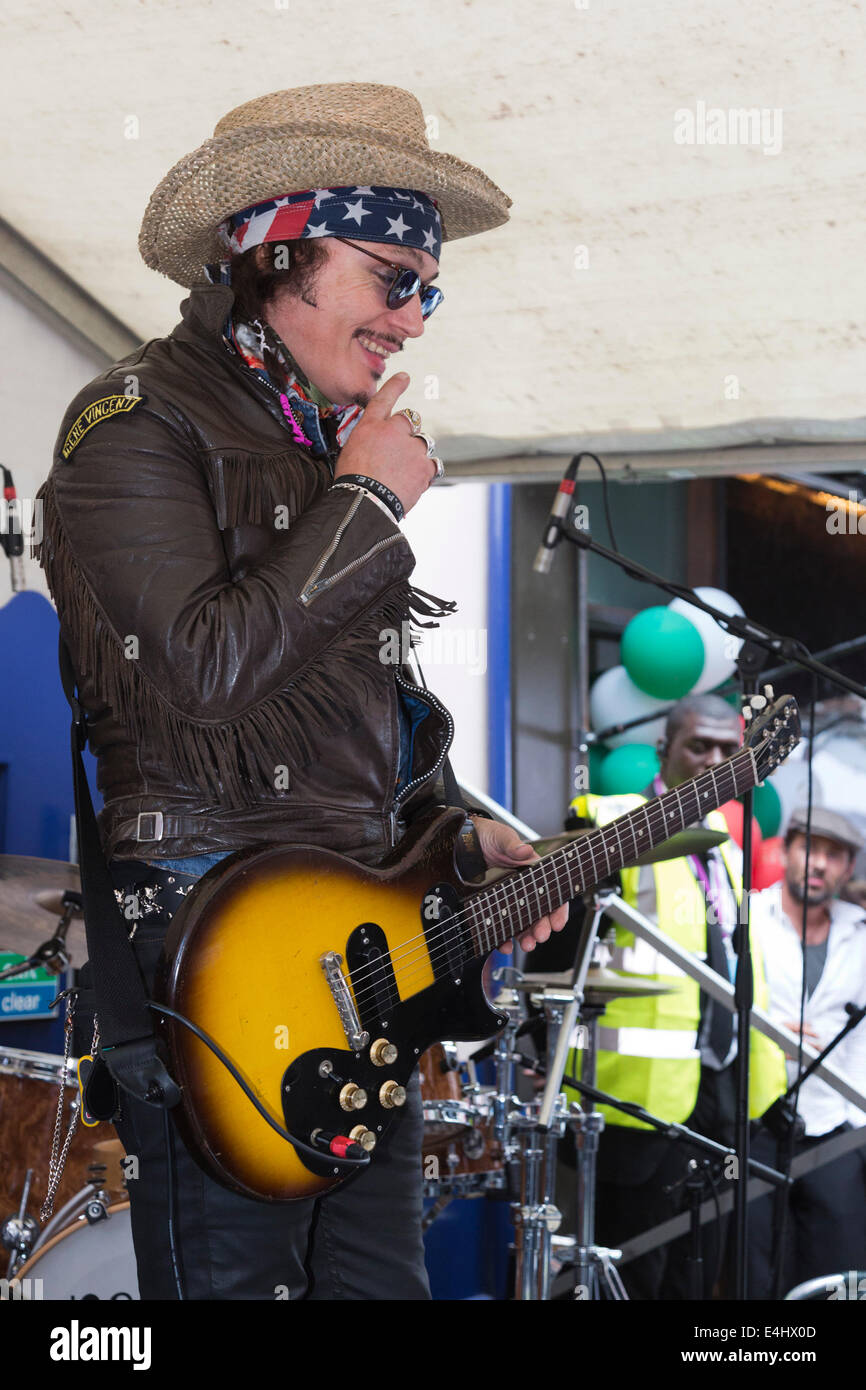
535 1215
19 1232
540 1124
505 1054
593 1263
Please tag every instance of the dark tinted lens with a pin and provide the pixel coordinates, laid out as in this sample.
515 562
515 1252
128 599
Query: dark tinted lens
431 298
403 288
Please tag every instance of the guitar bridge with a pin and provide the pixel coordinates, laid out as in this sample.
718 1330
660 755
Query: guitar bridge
356 1036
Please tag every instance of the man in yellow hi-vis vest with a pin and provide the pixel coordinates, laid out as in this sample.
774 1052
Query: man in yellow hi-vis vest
674 1053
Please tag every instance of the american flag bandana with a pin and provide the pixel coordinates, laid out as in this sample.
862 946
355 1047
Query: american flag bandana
399 216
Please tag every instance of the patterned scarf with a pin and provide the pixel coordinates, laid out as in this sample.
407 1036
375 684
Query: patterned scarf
265 353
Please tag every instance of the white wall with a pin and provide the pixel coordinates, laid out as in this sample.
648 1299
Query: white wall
447 530
42 371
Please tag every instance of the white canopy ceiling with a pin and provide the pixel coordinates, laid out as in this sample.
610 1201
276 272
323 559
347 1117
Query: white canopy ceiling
649 294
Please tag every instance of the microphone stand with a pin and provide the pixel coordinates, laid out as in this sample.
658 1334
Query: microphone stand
754 635
856 1013
749 662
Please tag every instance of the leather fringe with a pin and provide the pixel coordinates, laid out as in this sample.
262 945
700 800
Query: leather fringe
430 606
235 760
247 489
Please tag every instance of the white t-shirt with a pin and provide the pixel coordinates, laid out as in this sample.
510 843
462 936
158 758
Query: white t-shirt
843 981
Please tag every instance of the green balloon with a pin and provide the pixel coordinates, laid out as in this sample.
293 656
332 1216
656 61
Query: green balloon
767 809
597 754
628 769
663 653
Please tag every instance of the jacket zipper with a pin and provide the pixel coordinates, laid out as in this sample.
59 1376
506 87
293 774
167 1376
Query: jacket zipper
416 781
312 588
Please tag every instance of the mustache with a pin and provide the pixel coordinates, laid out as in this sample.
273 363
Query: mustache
382 337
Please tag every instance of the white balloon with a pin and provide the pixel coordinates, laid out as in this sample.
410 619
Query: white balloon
721 649
614 699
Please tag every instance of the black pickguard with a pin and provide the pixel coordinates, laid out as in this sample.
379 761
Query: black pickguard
445 1009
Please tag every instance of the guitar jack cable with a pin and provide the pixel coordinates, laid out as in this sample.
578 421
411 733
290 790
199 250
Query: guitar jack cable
299 1145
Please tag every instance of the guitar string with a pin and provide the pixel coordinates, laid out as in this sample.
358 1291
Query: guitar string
422 954
422 958
413 959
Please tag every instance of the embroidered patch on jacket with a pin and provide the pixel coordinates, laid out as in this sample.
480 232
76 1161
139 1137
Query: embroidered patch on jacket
95 413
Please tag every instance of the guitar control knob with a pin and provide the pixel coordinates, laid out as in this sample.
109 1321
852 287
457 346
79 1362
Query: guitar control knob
392 1094
383 1053
365 1137
352 1097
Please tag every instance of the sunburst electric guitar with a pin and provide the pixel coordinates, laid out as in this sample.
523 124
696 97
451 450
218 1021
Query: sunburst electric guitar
299 989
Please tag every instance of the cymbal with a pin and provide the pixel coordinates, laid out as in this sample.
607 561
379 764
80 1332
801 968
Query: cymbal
601 984
31 892
694 841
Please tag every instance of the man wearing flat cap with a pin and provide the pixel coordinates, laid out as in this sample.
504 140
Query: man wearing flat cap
826 1221
223 543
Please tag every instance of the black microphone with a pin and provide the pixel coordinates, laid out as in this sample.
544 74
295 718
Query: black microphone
561 504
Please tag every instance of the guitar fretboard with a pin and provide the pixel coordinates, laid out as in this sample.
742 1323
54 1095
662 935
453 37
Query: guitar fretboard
512 904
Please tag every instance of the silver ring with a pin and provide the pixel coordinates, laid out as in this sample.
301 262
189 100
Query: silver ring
431 443
413 417
440 467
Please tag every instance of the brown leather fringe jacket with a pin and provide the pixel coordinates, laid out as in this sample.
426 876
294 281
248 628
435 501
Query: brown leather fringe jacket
224 607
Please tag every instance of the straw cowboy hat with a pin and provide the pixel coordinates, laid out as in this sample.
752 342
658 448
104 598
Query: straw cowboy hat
326 136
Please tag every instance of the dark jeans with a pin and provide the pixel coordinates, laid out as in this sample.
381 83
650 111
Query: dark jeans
361 1241
634 1166
826 1223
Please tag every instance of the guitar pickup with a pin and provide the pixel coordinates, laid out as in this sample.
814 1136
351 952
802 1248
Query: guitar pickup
356 1036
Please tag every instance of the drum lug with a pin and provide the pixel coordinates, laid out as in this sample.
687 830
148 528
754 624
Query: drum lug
95 1210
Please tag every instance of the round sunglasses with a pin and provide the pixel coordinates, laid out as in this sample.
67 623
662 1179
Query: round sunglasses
406 282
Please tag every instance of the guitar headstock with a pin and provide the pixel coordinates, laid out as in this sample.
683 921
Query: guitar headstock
772 729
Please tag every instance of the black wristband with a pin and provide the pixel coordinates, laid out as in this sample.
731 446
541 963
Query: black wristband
391 500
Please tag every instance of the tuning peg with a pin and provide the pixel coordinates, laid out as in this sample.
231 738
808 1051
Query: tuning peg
759 702
768 691
747 712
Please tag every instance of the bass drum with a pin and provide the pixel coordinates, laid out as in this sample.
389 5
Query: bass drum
29 1090
84 1261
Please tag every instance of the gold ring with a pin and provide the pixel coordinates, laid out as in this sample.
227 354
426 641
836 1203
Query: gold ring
413 417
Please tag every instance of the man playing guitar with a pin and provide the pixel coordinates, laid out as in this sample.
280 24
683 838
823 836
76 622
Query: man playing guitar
222 540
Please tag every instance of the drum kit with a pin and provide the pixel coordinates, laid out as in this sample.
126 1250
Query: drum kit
485 1141
84 1250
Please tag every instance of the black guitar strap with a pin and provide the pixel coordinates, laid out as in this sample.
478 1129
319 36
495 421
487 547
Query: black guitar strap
128 1045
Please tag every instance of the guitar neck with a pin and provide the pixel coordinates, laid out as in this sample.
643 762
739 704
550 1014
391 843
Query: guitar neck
513 903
